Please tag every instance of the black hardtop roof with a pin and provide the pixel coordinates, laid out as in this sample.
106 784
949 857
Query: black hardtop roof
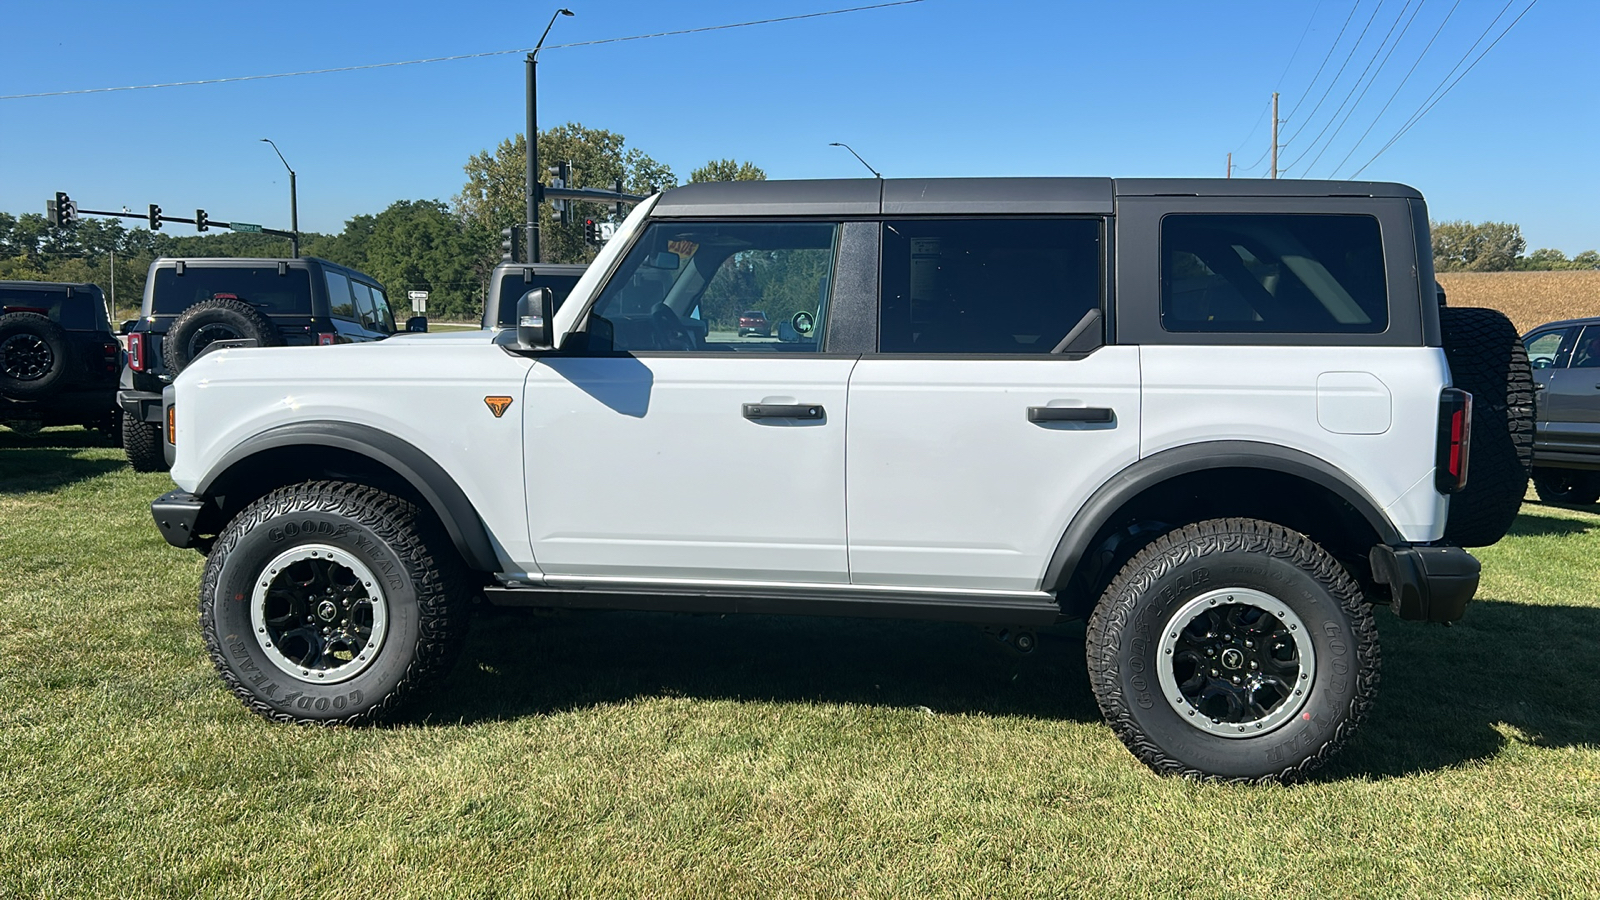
244 261
933 196
51 285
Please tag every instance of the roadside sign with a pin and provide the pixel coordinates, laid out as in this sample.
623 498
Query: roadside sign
246 227
608 230
416 295
419 301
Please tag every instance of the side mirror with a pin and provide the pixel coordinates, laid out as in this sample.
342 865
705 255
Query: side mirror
535 319
127 326
417 325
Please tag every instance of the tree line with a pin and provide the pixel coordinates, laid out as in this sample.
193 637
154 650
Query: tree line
449 248
445 248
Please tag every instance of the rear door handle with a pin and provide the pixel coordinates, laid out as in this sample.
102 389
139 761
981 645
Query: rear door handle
783 411
1069 414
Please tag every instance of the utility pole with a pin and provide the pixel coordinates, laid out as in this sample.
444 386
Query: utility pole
531 188
113 287
1230 164
1274 134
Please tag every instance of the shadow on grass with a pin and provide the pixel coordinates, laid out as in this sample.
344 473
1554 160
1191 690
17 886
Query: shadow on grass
1447 697
1535 524
49 459
518 663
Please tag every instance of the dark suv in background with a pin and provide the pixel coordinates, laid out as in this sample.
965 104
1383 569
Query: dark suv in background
58 357
191 304
1566 373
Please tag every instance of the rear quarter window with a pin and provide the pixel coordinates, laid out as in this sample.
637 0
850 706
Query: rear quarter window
1273 274
262 287
83 311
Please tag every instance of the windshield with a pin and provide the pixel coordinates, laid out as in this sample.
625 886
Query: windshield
288 294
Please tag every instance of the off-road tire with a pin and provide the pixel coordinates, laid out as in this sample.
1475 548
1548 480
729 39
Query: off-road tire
424 587
215 320
1574 486
1487 360
141 441
35 356
1126 630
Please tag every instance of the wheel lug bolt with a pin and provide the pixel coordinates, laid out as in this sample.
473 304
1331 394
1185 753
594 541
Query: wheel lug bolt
1214 673
1235 679
1252 664
1249 643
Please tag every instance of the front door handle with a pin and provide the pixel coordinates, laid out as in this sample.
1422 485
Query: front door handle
1069 414
1539 387
784 411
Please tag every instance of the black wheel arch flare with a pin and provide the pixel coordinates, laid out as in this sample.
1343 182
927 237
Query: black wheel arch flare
431 482
1122 488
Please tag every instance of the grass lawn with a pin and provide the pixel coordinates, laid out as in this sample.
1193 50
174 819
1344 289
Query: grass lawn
626 755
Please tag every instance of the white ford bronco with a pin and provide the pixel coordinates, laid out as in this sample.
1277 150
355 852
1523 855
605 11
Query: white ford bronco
1216 419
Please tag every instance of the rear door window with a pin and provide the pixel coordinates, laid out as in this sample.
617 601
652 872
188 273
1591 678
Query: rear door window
341 305
83 311
262 287
987 285
1264 273
373 316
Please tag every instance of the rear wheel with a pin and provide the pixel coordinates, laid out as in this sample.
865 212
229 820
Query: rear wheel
331 603
141 441
34 356
1233 649
1487 360
1566 485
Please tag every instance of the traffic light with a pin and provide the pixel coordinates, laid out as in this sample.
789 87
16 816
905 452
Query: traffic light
61 211
561 177
511 244
202 222
591 231
155 217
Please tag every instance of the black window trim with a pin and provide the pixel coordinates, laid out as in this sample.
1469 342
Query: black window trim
1107 287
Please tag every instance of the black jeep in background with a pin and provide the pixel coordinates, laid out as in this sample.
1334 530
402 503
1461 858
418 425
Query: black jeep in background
191 304
58 357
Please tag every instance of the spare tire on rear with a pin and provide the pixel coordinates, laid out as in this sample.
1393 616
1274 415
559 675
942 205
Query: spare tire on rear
35 357
1487 360
209 321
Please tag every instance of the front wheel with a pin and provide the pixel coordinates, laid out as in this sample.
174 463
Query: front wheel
1235 650
330 603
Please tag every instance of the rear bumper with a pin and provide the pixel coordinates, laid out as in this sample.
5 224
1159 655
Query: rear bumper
145 406
177 514
1430 584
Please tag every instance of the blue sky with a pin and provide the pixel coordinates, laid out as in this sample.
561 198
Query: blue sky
937 88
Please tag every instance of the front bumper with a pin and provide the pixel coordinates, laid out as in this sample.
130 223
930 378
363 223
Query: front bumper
1428 583
177 514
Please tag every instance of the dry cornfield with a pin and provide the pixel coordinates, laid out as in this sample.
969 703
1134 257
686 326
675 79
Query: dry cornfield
1529 298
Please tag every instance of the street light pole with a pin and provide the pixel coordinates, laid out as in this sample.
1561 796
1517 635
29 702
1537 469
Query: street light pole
294 200
858 158
531 186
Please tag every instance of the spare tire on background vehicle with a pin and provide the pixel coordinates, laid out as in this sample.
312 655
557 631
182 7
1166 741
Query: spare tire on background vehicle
35 357
1487 360
217 319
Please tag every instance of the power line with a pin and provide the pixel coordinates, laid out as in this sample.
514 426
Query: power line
488 53
1398 87
1428 106
1329 55
1418 117
1311 116
1281 75
1370 82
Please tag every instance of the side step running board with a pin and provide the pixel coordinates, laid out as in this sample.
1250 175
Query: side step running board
1001 609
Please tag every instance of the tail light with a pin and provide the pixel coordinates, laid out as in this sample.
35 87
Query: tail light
325 338
110 356
1455 440
136 360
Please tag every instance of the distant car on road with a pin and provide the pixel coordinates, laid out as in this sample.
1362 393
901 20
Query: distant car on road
58 357
1566 371
754 321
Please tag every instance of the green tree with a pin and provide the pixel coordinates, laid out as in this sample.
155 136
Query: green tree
1482 247
1588 259
419 245
728 170
492 198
